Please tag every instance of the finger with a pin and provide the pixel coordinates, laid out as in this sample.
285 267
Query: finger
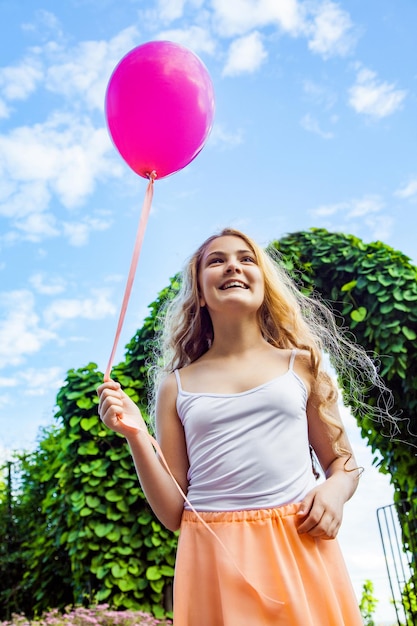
305 505
313 519
107 397
110 384
110 405
327 528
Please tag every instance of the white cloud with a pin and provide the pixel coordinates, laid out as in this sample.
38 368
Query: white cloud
310 124
19 81
18 199
408 191
4 110
38 382
224 138
325 210
355 214
331 31
61 158
45 23
37 226
78 232
81 74
374 98
64 152
245 55
98 306
195 38
8 381
357 207
365 206
49 286
328 28
20 331
320 94
169 10
34 382
237 17
380 226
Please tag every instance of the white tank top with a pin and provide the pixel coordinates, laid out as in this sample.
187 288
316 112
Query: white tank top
247 450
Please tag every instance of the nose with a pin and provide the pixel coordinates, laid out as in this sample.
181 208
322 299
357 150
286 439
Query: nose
232 266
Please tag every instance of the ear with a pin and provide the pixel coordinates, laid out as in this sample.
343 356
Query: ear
202 302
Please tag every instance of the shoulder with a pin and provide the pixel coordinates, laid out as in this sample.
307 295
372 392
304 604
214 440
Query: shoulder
167 389
303 358
166 413
304 369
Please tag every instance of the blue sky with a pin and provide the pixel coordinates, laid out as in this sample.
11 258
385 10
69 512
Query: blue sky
315 125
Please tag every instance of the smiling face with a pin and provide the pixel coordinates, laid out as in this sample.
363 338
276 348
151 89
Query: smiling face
230 276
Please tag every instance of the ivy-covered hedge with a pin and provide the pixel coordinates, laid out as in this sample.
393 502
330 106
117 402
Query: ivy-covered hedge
77 527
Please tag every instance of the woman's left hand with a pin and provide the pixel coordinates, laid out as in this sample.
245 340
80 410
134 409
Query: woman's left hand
321 511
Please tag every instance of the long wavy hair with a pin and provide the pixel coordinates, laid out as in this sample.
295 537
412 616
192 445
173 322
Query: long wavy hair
287 319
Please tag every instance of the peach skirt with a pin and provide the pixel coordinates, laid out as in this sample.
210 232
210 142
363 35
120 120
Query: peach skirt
259 571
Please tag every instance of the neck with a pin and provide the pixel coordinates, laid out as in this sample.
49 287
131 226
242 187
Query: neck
234 337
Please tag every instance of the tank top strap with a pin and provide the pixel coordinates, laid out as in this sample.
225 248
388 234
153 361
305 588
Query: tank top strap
292 358
177 376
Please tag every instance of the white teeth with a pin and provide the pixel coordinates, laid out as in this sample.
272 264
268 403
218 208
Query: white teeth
234 284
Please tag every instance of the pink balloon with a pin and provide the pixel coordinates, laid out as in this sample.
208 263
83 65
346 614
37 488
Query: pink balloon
159 107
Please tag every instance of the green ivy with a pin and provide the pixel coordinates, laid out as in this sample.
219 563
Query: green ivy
368 603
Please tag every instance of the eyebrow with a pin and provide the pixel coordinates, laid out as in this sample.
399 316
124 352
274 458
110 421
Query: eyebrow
222 253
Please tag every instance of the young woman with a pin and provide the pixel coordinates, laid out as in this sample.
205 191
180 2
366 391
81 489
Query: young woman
242 404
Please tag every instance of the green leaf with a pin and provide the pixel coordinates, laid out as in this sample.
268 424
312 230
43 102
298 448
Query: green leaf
153 573
386 308
409 333
103 594
126 584
88 448
114 495
166 570
358 315
92 501
118 571
145 518
158 585
102 530
124 550
349 286
101 572
85 511
85 403
87 423
114 535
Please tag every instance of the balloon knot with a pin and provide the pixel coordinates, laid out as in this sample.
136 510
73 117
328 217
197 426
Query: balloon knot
152 175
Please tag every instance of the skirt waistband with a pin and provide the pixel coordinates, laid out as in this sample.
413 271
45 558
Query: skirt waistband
249 515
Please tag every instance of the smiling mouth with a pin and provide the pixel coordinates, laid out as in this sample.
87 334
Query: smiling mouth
234 284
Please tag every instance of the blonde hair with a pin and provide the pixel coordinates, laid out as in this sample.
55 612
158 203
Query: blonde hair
287 319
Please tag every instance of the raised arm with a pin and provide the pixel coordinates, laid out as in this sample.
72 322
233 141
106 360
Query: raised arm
122 415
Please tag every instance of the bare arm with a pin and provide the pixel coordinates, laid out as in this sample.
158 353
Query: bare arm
322 509
120 414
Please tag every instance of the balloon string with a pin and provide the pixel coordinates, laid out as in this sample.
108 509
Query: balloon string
157 447
146 208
